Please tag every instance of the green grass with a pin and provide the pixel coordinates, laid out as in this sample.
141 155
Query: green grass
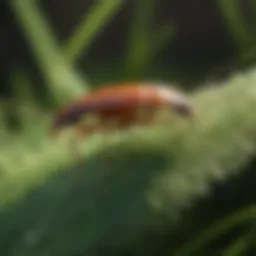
217 229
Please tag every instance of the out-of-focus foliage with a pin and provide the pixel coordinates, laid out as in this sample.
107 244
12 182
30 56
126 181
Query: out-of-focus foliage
143 43
147 191
241 32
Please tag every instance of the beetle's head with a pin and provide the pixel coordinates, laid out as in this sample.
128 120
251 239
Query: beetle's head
184 109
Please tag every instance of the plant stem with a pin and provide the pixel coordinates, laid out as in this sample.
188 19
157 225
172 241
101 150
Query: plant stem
138 49
92 23
63 81
217 229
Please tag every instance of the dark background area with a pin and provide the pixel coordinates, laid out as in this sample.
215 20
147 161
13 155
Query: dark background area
202 40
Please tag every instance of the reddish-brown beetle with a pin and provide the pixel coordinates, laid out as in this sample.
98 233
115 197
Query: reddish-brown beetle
122 104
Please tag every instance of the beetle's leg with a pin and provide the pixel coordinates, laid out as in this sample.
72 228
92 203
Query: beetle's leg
155 116
108 126
86 126
146 121
81 133
146 116
73 143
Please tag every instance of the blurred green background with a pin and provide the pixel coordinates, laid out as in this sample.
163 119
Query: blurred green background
170 190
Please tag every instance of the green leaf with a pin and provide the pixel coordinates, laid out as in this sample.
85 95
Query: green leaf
54 201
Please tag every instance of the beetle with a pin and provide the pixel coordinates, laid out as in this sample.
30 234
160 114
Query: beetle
122 104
